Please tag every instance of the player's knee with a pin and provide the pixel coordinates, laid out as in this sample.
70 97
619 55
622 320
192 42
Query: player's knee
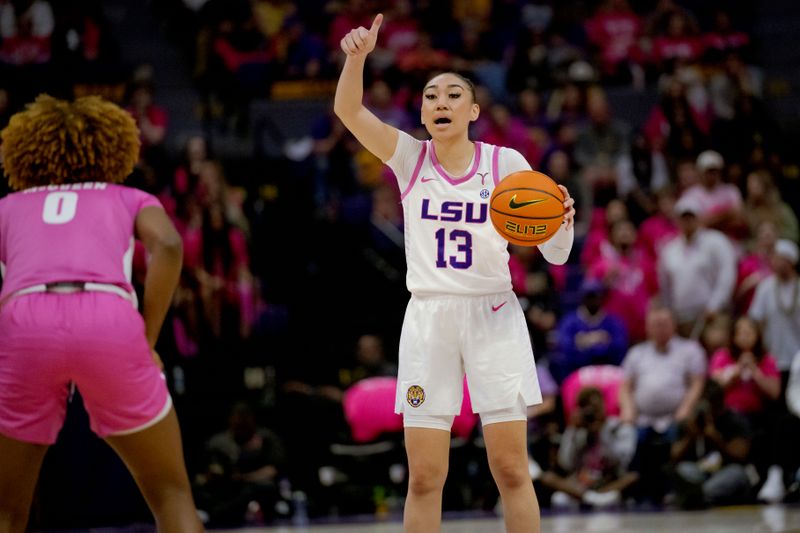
426 479
509 472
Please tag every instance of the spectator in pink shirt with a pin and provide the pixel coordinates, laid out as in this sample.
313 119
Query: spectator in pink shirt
658 229
599 227
507 130
746 371
755 266
720 203
614 30
630 276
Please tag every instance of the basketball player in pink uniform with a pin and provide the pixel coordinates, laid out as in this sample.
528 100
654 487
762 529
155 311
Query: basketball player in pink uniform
462 316
68 312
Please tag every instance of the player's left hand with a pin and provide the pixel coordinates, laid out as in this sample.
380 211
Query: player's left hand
569 209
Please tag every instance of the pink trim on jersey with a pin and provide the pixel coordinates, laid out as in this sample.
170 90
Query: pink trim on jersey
443 173
496 165
415 174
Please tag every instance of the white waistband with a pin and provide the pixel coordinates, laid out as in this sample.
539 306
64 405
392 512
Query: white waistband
76 287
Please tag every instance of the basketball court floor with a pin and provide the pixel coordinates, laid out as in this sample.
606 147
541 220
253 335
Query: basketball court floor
755 519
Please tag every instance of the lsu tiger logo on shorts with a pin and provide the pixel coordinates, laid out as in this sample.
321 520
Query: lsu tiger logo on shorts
415 396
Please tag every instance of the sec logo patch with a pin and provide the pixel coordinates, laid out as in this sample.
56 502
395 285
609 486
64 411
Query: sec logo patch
415 396
485 193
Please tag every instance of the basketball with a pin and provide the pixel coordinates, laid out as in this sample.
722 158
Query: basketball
527 208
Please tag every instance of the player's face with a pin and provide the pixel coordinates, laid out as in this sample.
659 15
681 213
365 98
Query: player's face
447 107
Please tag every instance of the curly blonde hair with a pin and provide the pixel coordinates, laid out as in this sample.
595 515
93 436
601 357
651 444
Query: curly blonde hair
54 142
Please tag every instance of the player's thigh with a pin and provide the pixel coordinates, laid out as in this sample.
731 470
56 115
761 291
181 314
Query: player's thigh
428 452
20 463
155 457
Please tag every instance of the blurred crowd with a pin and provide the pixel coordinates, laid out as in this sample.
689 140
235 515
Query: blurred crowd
668 348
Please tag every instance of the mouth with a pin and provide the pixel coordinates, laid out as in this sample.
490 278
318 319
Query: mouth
442 120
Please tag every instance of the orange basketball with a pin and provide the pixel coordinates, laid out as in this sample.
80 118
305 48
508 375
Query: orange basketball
527 208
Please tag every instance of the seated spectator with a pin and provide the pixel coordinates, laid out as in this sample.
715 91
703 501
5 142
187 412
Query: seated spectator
776 306
674 125
720 203
594 455
747 374
379 101
559 165
729 84
588 335
664 378
506 130
603 137
25 31
661 227
679 42
614 30
755 266
602 220
369 361
763 204
216 253
630 277
533 280
299 53
244 463
710 454
696 271
723 36
150 118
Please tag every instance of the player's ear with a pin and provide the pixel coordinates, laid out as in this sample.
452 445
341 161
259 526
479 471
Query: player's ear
474 113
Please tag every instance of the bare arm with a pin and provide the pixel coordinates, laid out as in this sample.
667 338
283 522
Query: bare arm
626 404
165 248
376 136
686 407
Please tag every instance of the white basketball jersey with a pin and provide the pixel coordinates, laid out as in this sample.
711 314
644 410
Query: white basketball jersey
451 245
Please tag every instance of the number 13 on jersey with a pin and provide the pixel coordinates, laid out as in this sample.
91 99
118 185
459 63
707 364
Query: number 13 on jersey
463 241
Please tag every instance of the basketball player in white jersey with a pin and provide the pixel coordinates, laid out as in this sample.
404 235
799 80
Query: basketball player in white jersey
462 316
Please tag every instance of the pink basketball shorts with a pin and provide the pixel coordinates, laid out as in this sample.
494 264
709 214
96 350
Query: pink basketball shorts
92 339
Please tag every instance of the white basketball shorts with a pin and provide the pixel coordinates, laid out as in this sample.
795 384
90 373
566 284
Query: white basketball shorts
445 337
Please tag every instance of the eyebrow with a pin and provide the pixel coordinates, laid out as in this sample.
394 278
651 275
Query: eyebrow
449 86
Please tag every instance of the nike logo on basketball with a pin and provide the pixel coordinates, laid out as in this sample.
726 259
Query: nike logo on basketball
513 204
426 180
496 308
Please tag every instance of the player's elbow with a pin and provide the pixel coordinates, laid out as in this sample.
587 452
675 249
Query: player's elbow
169 244
343 110
556 256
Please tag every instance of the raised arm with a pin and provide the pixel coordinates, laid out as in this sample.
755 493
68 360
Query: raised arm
376 136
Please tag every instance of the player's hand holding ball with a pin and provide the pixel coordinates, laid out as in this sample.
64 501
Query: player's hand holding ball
361 41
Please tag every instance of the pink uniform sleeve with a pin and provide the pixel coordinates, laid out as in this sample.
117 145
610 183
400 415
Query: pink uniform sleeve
136 200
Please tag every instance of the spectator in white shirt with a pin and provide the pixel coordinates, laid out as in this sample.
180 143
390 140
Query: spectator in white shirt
663 380
776 305
696 271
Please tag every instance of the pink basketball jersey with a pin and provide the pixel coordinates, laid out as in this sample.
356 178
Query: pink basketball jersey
74 232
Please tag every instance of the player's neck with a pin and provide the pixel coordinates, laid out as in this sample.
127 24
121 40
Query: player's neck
454 156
